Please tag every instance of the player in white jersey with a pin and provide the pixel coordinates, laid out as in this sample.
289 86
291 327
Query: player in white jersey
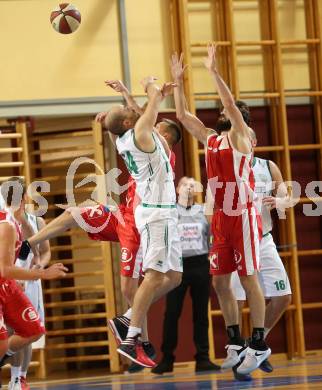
156 216
33 290
272 276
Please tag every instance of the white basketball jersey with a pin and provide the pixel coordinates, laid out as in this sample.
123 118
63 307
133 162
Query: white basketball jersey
152 172
263 187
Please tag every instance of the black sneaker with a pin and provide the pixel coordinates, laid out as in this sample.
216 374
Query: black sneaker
150 352
5 360
206 365
266 366
163 366
119 327
132 348
25 249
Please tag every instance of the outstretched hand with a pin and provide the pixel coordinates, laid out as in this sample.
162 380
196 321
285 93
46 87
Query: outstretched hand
211 61
55 271
177 68
117 85
167 89
100 117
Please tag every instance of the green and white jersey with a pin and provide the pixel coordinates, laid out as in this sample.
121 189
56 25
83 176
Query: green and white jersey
263 187
152 172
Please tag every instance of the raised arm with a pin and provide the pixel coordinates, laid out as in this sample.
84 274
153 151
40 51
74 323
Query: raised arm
144 126
226 97
194 126
118 86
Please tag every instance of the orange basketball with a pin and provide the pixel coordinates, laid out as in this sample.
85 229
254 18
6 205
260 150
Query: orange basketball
65 18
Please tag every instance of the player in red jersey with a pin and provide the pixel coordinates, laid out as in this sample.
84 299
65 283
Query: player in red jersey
16 310
235 223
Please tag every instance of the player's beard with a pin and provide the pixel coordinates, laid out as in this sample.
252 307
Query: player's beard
223 124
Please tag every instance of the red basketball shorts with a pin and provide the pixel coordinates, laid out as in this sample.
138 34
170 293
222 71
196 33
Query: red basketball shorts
17 312
115 227
236 243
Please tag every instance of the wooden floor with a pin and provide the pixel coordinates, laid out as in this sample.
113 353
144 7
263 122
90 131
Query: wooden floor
296 374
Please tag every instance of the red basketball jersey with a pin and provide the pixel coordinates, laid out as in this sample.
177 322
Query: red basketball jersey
230 174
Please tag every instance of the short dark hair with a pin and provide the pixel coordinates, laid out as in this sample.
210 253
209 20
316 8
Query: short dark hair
9 188
114 124
244 109
174 130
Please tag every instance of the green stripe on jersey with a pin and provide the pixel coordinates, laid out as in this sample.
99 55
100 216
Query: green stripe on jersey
159 206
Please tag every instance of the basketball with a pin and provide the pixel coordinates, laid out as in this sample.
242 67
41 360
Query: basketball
65 19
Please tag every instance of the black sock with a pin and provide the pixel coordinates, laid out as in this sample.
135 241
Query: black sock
257 341
234 336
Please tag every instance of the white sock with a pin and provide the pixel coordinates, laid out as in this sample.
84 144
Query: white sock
128 313
23 373
133 331
15 372
266 331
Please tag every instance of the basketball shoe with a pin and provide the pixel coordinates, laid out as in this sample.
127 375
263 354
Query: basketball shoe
132 348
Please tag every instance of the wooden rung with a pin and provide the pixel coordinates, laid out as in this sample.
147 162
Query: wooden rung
10 136
78 261
60 248
310 200
217 313
85 358
12 164
285 254
303 93
5 178
71 317
76 134
63 192
263 95
310 252
77 302
313 305
58 177
246 309
66 332
82 344
10 150
205 43
276 148
308 41
305 147
59 163
72 275
62 149
61 290
263 42
75 233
